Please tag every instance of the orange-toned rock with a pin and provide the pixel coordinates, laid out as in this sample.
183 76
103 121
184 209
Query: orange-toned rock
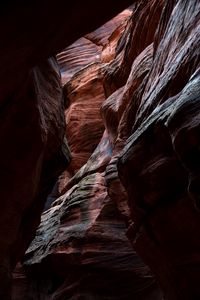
77 56
80 249
88 49
85 94
58 25
32 124
101 36
138 35
135 164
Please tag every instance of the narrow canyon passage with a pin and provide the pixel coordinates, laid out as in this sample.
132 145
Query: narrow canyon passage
80 250
100 149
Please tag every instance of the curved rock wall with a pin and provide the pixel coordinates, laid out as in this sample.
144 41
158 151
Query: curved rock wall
32 127
132 114
80 249
159 164
32 156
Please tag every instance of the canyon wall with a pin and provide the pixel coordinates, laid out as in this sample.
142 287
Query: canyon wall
80 250
122 221
32 128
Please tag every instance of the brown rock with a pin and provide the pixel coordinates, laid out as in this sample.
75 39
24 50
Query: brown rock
135 163
32 122
160 163
77 56
29 41
33 155
85 94
138 35
80 249
20 283
88 49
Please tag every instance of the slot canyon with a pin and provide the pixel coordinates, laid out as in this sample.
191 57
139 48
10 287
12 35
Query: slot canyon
100 150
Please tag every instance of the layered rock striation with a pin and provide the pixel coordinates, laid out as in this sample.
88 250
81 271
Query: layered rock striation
159 164
80 249
32 127
131 98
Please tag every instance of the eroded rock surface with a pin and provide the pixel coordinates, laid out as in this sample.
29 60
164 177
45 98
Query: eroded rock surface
32 126
33 155
80 249
159 165
132 114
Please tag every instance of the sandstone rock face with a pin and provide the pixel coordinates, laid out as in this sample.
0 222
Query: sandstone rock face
96 46
80 250
85 254
33 32
84 91
32 125
159 165
33 155
131 95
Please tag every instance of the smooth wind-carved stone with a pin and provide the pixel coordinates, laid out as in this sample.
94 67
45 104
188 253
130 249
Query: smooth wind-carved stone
80 249
32 125
160 163
132 113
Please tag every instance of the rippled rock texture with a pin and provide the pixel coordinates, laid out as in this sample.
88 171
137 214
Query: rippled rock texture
131 95
32 125
159 165
81 250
